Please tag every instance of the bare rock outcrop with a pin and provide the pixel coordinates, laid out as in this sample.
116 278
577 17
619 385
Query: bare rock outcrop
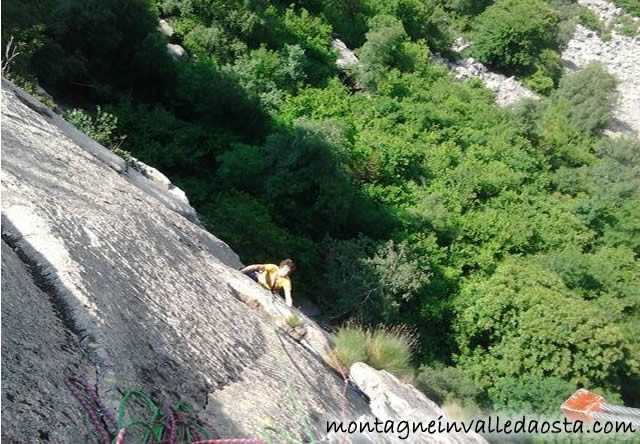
392 403
346 57
105 277
175 51
165 28
508 90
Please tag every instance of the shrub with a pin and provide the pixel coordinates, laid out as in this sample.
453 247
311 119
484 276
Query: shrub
539 82
101 127
459 411
380 52
510 34
373 283
631 6
442 384
628 27
293 320
591 95
530 393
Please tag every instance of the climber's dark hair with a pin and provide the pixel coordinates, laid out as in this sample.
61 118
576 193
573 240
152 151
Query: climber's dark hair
289 263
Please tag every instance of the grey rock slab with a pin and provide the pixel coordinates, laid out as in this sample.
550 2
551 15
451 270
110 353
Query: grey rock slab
391 399
157 301
37 350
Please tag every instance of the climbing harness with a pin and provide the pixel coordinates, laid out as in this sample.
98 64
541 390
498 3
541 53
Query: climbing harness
173 424
589 407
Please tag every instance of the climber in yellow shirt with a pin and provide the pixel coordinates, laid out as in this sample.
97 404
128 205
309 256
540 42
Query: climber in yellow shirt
273 277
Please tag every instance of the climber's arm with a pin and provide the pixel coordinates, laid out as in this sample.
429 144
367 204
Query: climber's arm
286 286
250 268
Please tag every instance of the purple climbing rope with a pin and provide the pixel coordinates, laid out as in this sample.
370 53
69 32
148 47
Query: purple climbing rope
94 407
171 424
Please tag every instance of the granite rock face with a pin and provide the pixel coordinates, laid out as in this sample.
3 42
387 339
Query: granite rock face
37 349
393 402
149 299
108 277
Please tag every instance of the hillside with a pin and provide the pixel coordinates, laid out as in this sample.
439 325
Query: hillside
442 168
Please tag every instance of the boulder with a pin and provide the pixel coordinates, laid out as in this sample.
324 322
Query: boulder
175 51
165 28
346 57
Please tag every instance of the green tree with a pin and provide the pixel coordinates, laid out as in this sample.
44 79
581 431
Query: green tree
381 50
511 33
591 95
373 283
525 321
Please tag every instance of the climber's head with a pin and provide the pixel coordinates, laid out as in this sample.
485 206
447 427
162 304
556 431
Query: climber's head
286 267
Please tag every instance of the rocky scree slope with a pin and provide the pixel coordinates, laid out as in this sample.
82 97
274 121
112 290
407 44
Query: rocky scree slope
107 276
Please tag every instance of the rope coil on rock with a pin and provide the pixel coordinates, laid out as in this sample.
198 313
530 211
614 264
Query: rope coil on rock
177 424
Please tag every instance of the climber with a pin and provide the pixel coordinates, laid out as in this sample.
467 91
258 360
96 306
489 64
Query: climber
273 277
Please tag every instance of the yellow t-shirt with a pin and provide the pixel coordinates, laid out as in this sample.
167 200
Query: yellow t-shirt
266 278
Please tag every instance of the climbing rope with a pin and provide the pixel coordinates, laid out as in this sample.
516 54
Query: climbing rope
177 424
88 398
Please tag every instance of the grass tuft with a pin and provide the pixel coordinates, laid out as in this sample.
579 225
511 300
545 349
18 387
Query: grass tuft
351 346
293 321
390 349
383 348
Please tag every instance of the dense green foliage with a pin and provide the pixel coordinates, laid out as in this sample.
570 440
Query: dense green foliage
511 33
507 239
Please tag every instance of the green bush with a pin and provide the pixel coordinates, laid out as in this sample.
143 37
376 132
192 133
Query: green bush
631 6
591 95
510 34
380 51
442 384
524 320
539 82
101 127
530 394
629 26
373 283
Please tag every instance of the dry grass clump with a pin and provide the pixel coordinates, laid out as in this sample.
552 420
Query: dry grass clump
383 348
